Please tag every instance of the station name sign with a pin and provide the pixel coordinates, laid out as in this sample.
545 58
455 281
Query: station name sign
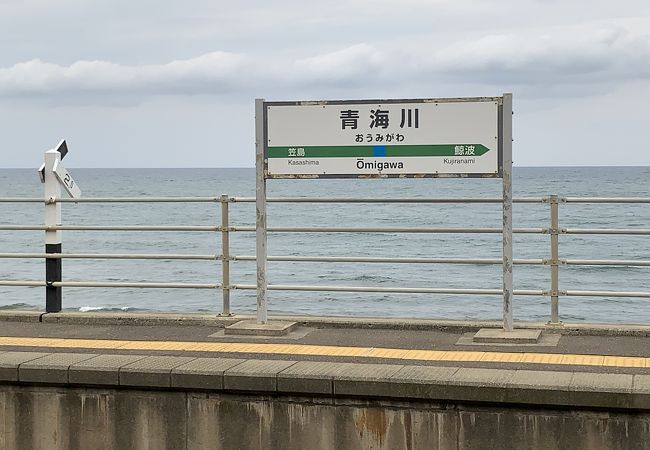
384 138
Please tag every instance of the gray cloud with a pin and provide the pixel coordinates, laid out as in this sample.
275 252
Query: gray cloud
355 63
217 71
596 52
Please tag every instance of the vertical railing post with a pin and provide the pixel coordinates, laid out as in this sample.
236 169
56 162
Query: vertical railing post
506 136
554 263
225 254
260 212
52 217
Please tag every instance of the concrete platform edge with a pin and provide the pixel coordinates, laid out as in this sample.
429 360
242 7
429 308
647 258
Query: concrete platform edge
396 382
214 320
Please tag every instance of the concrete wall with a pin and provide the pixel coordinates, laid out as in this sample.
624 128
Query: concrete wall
43 417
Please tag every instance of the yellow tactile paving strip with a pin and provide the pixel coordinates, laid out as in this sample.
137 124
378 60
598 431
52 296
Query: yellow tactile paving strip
326 350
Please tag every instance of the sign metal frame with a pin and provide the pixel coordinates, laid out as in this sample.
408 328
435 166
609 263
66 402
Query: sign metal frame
499 149
504 162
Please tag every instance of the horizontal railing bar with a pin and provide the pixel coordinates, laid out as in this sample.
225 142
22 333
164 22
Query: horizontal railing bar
109 228
111 284
137 228
606 262
605 294
535 292
353 259
113 200
137 285
141 200
606 199
344 259
108 256
22 200
386 200
387 230
531 230
323 200
628 231
270 229
26 283
284 287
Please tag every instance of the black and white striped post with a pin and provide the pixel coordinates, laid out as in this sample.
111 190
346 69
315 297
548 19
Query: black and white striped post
52 237
54 176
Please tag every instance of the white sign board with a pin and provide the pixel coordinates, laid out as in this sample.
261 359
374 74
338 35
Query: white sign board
66 180
425 137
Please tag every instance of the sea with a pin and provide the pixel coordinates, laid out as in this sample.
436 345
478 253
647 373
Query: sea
527 182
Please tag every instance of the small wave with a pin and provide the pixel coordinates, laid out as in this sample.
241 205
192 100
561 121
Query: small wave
570 317
376 278
108 309
604 269
18 306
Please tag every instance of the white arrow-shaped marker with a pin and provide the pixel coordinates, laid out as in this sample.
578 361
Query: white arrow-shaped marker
66 180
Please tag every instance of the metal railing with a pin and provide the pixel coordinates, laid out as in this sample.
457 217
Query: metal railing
225 228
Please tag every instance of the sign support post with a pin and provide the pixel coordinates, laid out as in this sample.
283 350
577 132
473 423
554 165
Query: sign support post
506 136
260 212
53 269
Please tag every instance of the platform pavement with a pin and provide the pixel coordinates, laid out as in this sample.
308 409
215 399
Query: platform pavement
607 368
623 348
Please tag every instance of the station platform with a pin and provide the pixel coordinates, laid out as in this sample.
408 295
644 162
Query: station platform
608 365
590 347
178 381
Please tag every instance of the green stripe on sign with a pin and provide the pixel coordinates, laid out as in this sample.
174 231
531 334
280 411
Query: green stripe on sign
362 151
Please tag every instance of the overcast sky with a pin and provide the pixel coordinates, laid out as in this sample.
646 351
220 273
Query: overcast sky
172 84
